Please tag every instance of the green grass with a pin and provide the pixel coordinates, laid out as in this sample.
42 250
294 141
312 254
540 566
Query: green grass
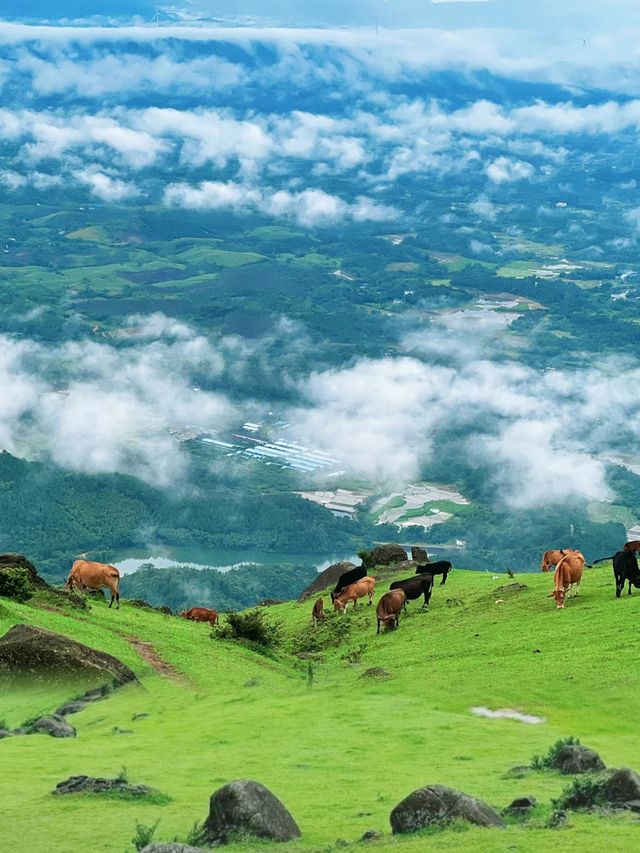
91 233
218 257
343 752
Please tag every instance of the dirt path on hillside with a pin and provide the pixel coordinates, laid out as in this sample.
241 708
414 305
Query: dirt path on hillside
149 654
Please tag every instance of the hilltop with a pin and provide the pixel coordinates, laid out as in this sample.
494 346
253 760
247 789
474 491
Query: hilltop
341 750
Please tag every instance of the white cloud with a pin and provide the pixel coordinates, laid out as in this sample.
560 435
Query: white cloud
309 207
539 435
503 170
115 405
105 187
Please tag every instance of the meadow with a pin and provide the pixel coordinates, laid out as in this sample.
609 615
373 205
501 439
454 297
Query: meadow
340 750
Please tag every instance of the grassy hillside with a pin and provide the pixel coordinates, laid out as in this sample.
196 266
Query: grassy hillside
343 751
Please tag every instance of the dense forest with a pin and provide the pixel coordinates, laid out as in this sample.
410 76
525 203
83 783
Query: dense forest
183 587
53 515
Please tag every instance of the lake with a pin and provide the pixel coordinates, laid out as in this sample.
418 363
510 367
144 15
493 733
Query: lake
222 560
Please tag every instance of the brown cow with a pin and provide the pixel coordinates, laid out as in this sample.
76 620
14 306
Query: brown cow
567 577
633 547
552 558
201 614
351 593
389 607
318 612
85 574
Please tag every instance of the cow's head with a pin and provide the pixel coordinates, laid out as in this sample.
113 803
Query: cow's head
546 563
559 595
338 604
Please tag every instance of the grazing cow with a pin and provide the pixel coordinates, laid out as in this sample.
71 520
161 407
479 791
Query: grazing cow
414 587
86 574
318 612
365 586
567 577
625 568
441 567
388 609
201 614
347 578
552 558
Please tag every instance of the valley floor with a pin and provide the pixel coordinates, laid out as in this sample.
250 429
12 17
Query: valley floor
342 751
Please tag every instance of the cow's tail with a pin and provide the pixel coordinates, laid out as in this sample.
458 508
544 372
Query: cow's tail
601 560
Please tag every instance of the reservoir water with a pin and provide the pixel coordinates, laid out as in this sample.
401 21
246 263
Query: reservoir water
222 560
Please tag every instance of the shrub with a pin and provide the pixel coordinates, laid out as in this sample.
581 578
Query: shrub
355 654
332 631
195 836
15 584
583 793
123 775
253 627
366 557
541 762
144 835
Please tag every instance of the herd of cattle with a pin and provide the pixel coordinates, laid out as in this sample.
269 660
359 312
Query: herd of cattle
355 584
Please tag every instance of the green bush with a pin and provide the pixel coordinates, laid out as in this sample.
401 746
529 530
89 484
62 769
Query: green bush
253 627
144 835
366 557
542 762
584 792
332 631
15 584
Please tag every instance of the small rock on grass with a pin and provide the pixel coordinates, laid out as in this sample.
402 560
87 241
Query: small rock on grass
376 672
70 708
98 785
171 847
53 725
520 806
574 758
370 835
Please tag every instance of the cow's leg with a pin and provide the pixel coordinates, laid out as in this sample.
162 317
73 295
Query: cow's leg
444 578
629 586
619 587
378 631
370 598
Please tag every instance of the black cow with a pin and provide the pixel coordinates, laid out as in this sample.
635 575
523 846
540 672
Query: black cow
625 568
442 567
345 579
414 587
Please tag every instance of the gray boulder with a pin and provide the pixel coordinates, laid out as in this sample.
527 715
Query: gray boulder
171 847
574 758
520 806
437 804
70 708
326 578
385 555
622 786
5 733
53 725
33 654
98 785
245 808
419 555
